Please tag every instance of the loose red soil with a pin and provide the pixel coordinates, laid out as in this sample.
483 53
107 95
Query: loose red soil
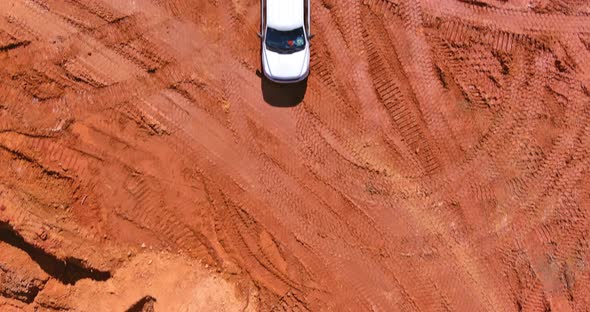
435 160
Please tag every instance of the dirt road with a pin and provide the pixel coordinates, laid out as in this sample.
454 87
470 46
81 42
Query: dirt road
435 160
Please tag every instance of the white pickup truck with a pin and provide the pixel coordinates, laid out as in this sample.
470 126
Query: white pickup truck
285 34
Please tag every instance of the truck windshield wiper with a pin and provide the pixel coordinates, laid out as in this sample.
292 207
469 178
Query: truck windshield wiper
278 50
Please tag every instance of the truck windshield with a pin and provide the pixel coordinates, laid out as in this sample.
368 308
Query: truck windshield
285 42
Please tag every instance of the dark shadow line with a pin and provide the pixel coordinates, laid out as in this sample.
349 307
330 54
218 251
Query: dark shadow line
68 271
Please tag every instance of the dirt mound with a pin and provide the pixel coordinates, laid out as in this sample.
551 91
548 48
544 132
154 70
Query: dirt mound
434 160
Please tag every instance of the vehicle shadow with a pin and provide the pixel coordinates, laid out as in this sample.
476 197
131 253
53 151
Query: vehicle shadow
282 95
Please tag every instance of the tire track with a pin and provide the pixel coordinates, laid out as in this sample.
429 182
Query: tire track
99 9
393 97
507 20
418 74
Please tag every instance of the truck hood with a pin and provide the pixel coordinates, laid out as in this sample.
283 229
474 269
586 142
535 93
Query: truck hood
286 66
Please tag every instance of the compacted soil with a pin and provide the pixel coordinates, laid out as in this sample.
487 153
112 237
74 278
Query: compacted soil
435 160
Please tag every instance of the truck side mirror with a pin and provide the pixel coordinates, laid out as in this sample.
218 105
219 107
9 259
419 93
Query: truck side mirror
259 35
310 37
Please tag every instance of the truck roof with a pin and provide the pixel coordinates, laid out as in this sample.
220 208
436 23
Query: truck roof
284 14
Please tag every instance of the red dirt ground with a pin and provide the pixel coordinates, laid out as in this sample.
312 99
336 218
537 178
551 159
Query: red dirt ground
437 162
